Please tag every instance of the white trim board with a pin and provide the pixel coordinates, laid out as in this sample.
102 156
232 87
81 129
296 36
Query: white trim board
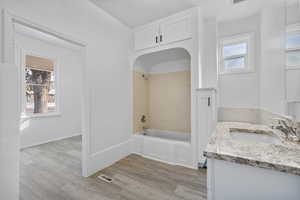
8 56
36 34
163 161
52 140
102 159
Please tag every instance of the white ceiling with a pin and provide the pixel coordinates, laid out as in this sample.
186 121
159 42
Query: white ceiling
138 12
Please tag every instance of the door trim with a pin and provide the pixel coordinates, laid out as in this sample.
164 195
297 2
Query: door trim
8 56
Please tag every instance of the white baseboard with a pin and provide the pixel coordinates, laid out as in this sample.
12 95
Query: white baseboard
167 162
166 131
52 140
109 156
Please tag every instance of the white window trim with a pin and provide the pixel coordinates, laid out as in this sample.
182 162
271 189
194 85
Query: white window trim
57 112
249 56
292 29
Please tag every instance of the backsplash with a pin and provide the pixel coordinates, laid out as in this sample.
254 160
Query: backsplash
249 115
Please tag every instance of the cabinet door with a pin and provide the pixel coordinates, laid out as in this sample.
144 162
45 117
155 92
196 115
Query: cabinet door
175 30
146 37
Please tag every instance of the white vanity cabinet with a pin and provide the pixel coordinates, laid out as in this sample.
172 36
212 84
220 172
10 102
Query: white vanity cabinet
165 31
228 180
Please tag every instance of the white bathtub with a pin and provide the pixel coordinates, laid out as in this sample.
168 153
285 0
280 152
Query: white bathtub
169 147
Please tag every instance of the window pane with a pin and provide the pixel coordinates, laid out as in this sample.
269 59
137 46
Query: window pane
40 85
234 49
293 41
293 58
234 63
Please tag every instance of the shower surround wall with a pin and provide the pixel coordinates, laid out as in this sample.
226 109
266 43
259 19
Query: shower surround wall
140 101
165 99
170 101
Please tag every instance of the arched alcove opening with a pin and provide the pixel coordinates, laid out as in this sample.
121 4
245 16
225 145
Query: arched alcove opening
162 94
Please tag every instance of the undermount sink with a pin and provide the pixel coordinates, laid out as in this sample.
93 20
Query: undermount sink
253 137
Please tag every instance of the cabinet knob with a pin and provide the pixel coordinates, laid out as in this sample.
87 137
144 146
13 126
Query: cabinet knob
161 38
156 39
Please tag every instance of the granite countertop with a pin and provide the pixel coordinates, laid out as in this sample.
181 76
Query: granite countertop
283 157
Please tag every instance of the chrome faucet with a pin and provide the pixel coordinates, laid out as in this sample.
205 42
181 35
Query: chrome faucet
289 127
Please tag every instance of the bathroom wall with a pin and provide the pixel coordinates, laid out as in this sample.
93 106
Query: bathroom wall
265 87
240 90
272 73
140 101
209 61
170 101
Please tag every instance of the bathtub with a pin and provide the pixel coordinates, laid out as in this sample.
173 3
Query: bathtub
165 146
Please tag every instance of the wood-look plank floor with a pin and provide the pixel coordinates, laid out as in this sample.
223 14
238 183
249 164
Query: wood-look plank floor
53 172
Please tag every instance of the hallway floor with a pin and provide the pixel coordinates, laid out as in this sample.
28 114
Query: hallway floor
53 172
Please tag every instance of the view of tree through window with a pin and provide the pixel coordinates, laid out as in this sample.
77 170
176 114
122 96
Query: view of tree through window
40 85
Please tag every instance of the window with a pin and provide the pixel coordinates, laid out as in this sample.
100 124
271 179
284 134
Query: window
293 46
40 89
235 54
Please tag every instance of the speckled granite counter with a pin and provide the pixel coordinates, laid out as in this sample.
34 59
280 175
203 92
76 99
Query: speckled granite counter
283 157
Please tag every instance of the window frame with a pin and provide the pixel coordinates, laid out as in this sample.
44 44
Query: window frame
291 29
247 38
56 72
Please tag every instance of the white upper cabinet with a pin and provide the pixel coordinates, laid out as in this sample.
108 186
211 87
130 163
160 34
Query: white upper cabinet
165 31
146 37
175 30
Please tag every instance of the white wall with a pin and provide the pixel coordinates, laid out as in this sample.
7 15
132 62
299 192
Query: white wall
209 58
293 13
109 78
9 140
265 88
272 89
241 90
68 121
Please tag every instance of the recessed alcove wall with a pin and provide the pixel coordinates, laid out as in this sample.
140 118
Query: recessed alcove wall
162 91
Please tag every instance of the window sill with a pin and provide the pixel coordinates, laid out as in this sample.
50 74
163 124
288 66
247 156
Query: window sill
45 115
295 67
236 72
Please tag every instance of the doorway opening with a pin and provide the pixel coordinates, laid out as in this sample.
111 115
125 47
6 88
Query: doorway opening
52 100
